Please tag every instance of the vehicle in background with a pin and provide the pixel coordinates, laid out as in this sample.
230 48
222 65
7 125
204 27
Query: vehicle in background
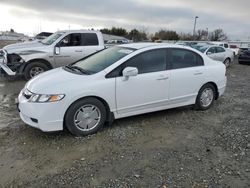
234 48
59 49
186 43
223 44
119 82
244 57
118 41
217 53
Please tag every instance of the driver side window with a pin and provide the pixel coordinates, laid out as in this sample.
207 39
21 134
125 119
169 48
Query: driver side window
70 40
150 61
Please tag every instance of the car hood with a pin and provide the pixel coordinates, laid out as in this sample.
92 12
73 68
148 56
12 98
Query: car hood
54 81
25 47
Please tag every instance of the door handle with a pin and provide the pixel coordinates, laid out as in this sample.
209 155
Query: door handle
163 78
78 51
198 73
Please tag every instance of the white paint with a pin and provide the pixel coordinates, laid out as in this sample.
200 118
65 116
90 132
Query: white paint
135 95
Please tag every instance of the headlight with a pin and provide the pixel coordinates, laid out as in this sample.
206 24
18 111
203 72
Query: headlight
45 98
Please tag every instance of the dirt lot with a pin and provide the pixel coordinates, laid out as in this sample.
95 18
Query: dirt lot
172 148
6 42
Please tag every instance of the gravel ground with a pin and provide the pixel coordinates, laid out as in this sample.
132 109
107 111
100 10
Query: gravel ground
173 148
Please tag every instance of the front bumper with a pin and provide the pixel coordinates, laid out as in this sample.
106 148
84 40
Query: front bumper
6 69
44 116
3 64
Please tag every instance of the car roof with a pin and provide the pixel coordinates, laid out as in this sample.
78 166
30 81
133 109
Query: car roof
209 46
138 46
78 31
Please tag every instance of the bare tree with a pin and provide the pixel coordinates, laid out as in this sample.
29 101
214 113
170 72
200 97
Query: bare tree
218 35
186 36
201 35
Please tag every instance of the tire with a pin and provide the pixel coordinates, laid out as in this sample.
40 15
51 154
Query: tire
203 95
33 69
227 62
82 123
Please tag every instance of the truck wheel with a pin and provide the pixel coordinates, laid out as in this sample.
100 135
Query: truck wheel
33 69
85 116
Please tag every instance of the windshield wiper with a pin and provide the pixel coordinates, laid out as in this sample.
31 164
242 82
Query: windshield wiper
79 69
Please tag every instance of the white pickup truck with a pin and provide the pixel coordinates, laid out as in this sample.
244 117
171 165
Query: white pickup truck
59 49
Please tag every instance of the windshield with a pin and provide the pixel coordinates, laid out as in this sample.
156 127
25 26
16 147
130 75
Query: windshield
52 38
202 48
103 59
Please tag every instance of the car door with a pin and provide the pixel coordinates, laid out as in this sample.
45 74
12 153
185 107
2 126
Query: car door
186 75
221 54
149 89
211 52
71 50
90 43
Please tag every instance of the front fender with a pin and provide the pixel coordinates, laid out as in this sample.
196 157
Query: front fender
31 57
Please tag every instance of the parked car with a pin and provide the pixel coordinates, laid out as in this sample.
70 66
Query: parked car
244 57
223 44
118 82
235 49
217 53
61 48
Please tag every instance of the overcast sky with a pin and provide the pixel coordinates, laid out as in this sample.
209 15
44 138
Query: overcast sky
31 16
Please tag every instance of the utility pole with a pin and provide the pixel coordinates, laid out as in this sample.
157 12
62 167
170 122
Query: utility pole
195 21
207 34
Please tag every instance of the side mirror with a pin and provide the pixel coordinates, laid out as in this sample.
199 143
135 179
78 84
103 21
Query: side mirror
209 53
57 50
129 71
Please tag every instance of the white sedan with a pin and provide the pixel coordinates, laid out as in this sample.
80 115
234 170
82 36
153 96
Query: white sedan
118 82
217 53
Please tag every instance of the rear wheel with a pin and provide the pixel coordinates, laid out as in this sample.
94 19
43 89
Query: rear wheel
33 69
227 62
85 117
206 97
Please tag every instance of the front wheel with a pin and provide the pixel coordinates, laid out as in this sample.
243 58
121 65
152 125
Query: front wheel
85 117
206 97
33 69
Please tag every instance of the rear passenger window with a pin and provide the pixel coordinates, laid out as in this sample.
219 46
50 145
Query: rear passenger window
181 58
147 62
90 39
220 50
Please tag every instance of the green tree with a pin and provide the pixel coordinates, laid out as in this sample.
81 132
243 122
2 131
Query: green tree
136 35
166 35
115 31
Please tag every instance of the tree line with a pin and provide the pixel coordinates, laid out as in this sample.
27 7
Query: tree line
140 35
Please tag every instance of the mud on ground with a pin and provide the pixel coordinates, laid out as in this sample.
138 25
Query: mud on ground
173 148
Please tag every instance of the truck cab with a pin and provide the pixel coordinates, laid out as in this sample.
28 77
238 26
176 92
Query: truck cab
59 49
